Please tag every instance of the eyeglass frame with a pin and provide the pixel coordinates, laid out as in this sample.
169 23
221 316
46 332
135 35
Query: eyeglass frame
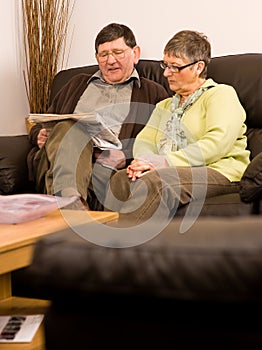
176 69
113 53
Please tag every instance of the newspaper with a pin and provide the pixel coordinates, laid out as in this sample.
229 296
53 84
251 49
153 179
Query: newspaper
102 136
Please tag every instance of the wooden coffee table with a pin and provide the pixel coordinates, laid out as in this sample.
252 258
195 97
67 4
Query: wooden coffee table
16 249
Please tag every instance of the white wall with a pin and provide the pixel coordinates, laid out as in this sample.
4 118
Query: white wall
233 26
12 94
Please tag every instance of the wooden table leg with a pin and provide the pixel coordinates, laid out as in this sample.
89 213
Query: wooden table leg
5 286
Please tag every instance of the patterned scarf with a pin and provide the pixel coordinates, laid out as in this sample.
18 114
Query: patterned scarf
174 137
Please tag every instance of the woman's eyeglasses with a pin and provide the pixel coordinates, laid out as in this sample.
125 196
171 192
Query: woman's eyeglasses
175 69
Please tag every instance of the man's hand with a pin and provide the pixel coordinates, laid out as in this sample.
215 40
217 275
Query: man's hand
113 158
42 137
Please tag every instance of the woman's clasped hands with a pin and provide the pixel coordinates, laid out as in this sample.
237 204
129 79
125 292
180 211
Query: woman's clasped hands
141 166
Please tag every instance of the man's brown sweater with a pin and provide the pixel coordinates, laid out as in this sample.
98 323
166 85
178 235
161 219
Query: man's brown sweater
143 100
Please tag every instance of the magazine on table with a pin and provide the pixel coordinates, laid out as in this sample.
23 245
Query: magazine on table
102 136
16 208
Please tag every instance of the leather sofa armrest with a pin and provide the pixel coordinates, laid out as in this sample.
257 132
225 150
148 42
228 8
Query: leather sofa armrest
217 259
13 164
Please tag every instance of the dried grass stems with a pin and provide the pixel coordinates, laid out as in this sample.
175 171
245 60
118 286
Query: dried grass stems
45 28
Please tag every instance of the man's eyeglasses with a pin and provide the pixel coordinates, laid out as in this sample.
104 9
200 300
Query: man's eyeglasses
117 54
176 69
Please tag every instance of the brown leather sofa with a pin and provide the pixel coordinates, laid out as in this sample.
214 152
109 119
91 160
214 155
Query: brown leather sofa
244 72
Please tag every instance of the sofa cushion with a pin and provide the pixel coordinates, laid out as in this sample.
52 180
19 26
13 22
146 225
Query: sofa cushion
251 182
13 166
223 205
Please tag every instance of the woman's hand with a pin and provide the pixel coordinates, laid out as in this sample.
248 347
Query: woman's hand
141 166
138 168
42 137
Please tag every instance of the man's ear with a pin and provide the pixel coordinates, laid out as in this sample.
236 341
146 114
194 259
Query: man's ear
96 56
136 51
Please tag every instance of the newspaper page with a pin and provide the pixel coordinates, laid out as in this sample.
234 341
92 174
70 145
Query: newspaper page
102 136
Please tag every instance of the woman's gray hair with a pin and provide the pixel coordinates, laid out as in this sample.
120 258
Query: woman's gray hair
190 45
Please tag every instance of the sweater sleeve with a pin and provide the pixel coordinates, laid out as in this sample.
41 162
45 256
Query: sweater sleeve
143 102
64 101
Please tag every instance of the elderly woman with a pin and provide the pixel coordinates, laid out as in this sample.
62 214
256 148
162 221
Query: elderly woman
194 145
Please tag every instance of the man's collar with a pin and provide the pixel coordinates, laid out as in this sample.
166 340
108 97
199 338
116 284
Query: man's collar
133 76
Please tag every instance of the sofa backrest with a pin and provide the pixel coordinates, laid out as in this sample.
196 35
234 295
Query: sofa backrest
242 71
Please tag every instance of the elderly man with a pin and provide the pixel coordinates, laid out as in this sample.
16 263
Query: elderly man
67 163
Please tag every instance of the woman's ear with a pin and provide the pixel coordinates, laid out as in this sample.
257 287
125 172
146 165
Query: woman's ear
200 67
